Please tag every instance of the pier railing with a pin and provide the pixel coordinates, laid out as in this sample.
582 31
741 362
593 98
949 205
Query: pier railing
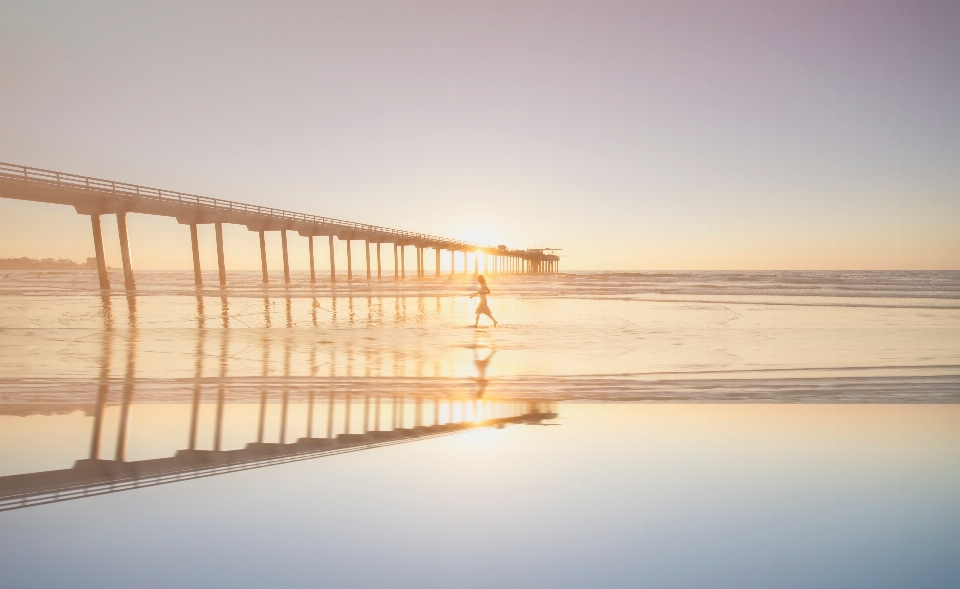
129 191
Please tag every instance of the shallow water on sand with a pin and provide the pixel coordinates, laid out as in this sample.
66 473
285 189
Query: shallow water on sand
778 429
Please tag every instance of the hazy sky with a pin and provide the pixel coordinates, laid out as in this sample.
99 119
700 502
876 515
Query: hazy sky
635 135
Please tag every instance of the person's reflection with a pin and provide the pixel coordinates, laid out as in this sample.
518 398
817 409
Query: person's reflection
481 364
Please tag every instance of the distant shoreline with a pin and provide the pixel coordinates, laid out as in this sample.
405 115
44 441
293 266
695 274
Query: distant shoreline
46 264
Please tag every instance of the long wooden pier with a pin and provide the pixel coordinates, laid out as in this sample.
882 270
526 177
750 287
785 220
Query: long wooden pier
96 197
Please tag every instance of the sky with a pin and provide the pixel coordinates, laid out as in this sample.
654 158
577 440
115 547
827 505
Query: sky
639 135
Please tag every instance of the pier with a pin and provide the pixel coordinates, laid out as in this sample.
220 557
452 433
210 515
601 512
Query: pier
96 197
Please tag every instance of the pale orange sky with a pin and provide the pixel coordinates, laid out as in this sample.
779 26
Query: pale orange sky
634 135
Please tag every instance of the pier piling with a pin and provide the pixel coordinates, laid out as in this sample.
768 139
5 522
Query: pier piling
128 281
333 263
98 246
286 260
366 250
349 263
195 244
263 257
221 265
313 274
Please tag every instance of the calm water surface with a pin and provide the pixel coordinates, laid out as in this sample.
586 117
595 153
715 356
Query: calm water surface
620 430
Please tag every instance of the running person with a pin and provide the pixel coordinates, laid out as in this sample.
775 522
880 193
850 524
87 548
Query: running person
483 308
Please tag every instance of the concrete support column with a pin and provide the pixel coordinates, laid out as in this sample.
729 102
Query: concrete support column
453 262
378 278
403 263
396 264
128 281
333 264
263 258
98 247
313 274
349 263
438 262
221 264
286 261
366 249
476 264
466 268
195 243
419 252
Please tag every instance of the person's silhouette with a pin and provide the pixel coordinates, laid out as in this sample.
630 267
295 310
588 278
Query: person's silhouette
483 308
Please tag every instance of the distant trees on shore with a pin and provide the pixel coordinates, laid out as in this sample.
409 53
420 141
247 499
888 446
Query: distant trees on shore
46 264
